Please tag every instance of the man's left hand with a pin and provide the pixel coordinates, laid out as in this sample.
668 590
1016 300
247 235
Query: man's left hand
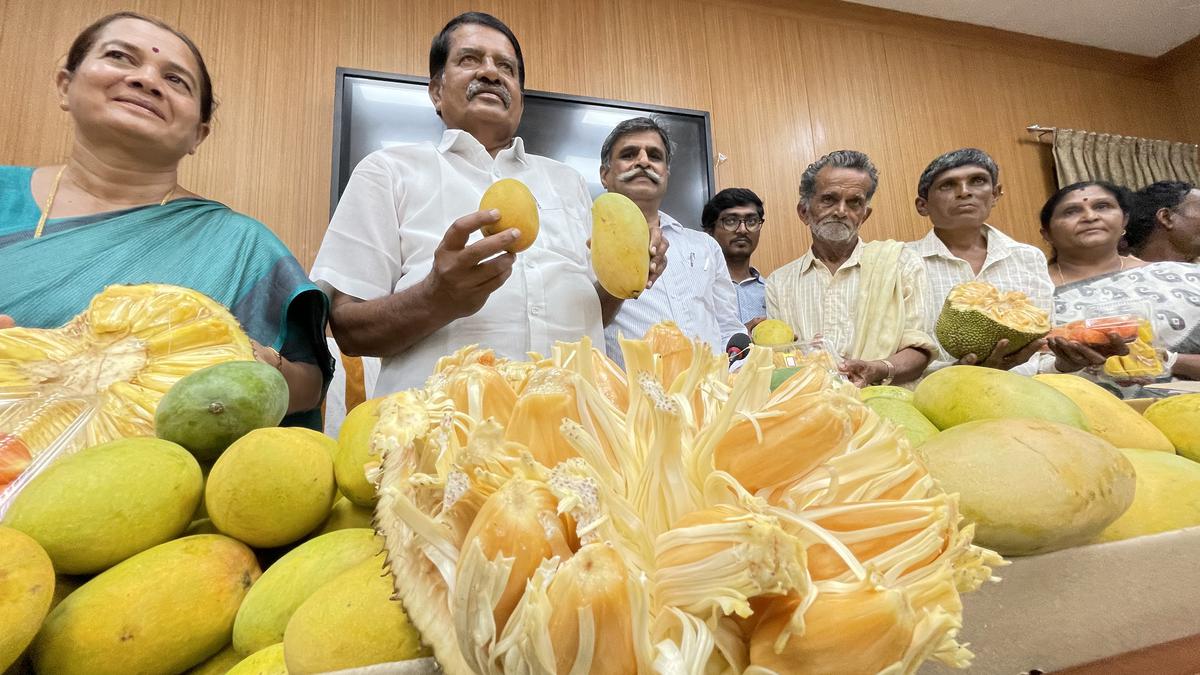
1000 359
658 254
863 373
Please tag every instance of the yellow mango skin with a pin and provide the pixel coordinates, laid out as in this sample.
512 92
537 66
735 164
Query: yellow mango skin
1109 417
1179 418
266 661
1167 496
271 487
346 515
95 508
772 332
959 394
916 426
285 585
354 456
26 591
219 663
518 209
1030 486
620 245
163 610
349 622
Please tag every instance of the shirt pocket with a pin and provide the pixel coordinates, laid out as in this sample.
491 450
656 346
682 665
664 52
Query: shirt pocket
564 228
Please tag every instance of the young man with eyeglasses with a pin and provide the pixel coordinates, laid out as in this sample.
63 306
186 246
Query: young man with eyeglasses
734 217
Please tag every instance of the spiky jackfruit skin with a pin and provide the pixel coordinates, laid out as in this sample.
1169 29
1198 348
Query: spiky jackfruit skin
975 317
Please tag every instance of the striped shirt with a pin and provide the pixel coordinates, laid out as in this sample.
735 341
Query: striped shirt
804 293
694 291
1009 266
751 297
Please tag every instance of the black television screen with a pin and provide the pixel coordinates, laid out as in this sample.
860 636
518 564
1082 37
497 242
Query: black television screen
375 110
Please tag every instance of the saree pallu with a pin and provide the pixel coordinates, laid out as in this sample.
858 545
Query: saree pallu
196 243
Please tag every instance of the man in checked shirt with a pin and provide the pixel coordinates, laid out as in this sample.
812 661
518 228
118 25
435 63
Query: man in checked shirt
957 192
694 290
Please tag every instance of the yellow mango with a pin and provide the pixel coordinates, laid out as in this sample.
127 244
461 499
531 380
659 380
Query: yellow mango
518 209
271 487
266 661
620 245
346 515
26 589
1167 496
95 508
163 610
354 456
351 621
1179 418
1108 416
772 332
219 663
285 585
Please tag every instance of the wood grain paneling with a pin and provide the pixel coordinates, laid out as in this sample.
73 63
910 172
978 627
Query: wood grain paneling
785 81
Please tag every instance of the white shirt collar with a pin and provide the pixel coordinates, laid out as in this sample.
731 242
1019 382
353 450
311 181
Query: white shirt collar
460 142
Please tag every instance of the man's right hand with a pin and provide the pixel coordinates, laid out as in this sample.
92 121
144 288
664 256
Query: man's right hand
1001 359
463 276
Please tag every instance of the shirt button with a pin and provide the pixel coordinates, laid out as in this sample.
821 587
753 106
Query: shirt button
535 310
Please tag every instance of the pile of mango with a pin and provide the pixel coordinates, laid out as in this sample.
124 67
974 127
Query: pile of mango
1052 461
231 545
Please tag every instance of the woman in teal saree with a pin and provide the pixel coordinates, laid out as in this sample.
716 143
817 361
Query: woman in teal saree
141 99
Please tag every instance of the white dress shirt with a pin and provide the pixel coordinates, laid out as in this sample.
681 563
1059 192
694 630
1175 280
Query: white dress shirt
391 219
1009 266
694 291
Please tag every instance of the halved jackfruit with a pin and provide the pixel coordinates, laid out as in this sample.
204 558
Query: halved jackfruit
976 316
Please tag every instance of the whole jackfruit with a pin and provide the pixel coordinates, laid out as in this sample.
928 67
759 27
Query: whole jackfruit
976 316
121 355
694 522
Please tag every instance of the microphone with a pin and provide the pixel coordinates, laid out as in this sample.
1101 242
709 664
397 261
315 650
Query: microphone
738 345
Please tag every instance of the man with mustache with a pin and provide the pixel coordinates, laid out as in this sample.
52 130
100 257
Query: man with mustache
411 277
694 290
957 192
866 300
734 218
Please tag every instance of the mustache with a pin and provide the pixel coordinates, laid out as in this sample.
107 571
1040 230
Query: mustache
826 229
634 173
476 87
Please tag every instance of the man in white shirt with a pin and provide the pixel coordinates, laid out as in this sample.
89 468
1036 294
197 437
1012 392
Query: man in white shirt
957 192
410 288
734 218
694 290
865 299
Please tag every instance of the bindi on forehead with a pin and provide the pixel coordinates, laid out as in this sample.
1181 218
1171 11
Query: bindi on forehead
154 49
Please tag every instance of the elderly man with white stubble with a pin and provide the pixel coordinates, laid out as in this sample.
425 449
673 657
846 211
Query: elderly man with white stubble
410 275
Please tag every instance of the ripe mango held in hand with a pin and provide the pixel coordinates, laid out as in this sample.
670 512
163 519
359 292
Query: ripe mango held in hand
518 209
620 245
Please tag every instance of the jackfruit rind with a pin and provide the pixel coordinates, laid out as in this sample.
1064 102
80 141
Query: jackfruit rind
120 355
976 316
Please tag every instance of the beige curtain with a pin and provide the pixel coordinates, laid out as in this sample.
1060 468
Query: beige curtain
1124 160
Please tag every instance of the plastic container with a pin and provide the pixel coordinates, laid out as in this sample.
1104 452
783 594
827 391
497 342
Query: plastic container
46 425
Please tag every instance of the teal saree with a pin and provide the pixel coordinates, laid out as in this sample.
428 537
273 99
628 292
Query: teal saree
196 243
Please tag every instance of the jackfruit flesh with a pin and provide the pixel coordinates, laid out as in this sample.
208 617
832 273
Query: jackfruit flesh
671 519
976 316
107 368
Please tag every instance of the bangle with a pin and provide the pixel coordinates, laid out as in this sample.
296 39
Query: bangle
891 373
278 358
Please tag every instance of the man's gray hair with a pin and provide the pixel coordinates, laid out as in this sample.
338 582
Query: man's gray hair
838 159
953 160
634 126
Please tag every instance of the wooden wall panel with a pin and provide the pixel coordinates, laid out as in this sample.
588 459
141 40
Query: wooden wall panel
785 81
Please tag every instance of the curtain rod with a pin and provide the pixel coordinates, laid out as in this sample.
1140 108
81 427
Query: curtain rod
1041 132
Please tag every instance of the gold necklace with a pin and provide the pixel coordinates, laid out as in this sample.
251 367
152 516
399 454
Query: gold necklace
1062 280
37 233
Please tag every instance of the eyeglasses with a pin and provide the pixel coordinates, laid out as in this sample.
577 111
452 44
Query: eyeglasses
731 223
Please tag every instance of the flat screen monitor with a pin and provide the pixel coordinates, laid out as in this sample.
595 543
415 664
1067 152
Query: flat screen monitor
375 110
